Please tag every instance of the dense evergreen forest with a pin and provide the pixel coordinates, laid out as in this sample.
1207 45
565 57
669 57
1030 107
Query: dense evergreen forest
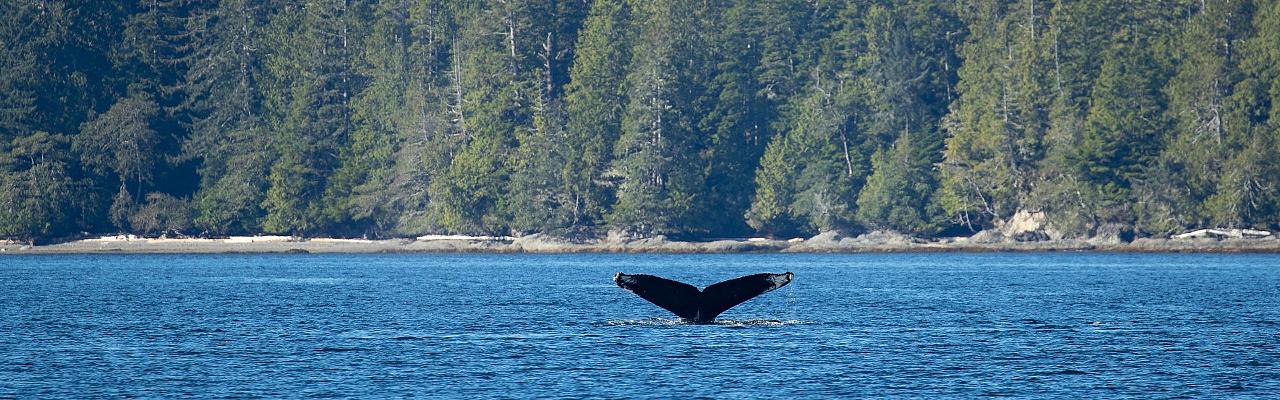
693 119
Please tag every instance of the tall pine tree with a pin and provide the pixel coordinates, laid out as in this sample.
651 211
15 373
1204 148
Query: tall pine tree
657 190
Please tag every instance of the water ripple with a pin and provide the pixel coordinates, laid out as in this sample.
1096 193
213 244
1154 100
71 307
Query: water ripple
871 325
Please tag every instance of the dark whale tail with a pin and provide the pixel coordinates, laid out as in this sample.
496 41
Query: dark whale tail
702 306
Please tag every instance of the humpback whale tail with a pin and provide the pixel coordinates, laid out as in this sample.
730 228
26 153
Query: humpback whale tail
702 306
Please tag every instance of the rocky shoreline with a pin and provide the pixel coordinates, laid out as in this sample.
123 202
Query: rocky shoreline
827 242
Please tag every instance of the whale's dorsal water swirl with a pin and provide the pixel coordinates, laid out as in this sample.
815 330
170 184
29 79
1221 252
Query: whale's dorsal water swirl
700 306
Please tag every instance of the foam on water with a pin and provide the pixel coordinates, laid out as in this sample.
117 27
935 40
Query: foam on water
718 322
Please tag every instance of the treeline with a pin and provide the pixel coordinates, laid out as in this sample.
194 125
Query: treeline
384 118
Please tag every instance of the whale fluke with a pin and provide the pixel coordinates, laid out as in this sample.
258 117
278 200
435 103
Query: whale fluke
703 306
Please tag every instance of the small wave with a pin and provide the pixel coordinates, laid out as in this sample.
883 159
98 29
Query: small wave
1051 327
1066 371
508 336
337 349
405 336
408 338
757 322
588 286
290 281
647 322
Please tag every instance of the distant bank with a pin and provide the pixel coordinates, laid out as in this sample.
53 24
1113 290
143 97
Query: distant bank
828 242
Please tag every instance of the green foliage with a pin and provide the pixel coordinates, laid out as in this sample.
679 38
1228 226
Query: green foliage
657 189
809 177
1250 194
812 169
594 100
540 199
1122 131
357 197
1206 130
121 142
425 137
489 94
19 79
312 110
39 197
905 73
382 118
735 123
545 194
223 87
998 124
291 200
897 193
233 202
161 213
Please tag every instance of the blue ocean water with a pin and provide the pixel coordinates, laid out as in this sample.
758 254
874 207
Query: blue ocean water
1075 325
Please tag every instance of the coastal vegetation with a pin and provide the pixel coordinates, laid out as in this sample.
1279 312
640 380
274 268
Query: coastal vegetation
690 119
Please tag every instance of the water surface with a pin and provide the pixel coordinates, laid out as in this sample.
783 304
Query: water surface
917 325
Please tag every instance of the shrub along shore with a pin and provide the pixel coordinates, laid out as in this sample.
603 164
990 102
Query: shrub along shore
827 242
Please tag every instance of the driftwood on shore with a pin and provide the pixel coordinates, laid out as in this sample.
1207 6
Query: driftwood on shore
1223 234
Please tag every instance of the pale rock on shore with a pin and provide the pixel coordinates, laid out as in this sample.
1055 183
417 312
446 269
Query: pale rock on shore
826 242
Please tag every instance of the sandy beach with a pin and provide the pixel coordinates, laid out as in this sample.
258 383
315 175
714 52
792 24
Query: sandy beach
829 242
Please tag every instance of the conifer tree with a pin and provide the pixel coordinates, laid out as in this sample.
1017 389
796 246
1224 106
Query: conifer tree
703 119
20 37
813 168
1122 131
736 122
223 87
1249 193
997 124
39 196
539 199
896 195
657 190
357 198
427 137
121 142
542 196
312 107
594 101
809 176
903 75
1203 137
490 104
